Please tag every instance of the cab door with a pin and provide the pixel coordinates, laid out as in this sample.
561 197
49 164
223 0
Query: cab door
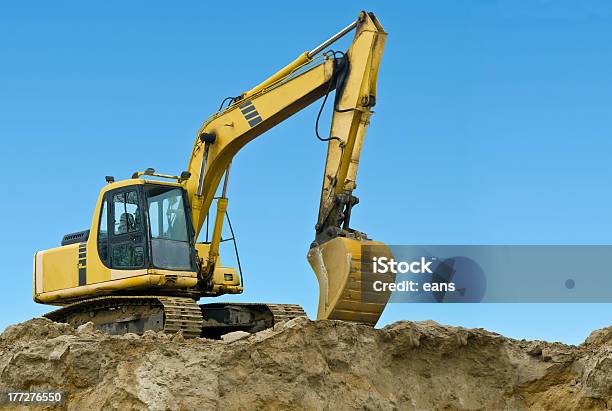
127 238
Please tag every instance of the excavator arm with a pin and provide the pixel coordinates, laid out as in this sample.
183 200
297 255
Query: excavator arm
335 254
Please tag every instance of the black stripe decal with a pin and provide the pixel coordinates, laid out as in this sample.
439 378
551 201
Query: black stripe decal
245 104
248 109
255 121
82 276
82 263
251 115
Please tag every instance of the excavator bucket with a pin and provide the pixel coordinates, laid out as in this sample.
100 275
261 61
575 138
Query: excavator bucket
344 270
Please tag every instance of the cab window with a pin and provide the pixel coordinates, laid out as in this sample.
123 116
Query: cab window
103 233
127 241
127 218
168 227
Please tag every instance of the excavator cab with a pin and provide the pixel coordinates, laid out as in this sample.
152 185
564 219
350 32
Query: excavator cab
146 225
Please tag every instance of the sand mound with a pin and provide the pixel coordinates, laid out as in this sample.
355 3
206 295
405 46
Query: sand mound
308 365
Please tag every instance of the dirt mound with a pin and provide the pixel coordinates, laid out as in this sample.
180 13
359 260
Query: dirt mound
308 365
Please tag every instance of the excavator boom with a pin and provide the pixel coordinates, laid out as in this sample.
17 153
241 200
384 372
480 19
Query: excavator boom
335 255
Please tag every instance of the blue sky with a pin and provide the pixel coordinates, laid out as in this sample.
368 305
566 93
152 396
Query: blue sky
492 126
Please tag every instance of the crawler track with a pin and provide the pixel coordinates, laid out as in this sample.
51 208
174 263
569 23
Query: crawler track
137 314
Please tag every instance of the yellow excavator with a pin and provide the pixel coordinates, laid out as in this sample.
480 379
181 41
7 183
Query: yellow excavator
140 267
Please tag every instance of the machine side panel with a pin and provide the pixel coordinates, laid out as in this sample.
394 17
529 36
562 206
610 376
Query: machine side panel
137 281
59 267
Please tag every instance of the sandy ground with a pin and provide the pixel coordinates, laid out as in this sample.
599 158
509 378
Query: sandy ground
314 365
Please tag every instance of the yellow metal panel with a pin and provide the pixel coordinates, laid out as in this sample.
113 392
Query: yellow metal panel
120 274
158 271
59 267
202 249
38 279
137 284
